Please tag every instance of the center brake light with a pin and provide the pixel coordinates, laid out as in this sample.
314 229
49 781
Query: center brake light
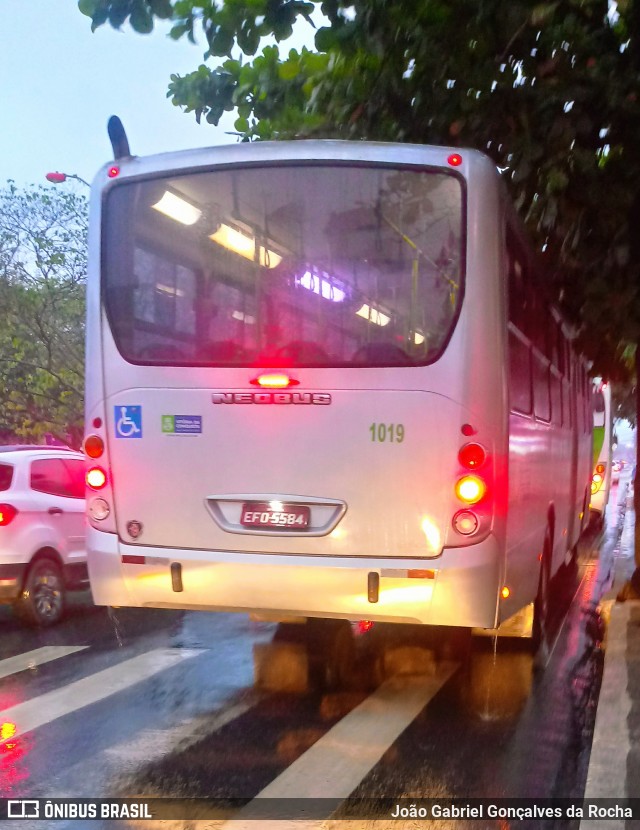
7 514
274 380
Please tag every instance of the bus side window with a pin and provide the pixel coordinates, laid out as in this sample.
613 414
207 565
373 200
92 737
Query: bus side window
560 349
519 373
541 397
519 300
556 397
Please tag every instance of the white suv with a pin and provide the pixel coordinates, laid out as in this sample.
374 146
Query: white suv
42 530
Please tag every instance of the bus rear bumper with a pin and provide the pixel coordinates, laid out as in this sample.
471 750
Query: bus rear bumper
458 588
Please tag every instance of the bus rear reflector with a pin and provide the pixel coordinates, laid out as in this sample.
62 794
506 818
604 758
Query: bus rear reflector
93 446
7 514
96 478
132 559
465 522
415 573
470 489
98 509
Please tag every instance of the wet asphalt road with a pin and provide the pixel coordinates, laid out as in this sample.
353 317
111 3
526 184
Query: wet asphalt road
197 727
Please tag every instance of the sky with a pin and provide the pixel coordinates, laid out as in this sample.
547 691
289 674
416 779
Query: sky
59 83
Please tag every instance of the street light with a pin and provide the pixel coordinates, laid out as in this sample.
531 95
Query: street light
58 178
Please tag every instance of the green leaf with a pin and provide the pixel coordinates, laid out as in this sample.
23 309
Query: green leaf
161 8
288 70
88 7
325 39
141 21
241 125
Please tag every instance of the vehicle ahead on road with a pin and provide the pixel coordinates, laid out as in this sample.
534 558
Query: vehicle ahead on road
42 530
604 468
324 384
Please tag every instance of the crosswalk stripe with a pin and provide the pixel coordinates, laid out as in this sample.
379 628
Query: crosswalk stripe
31 659
67 699
335 765
154 743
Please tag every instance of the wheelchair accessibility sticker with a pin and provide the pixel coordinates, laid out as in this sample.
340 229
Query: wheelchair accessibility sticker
128 421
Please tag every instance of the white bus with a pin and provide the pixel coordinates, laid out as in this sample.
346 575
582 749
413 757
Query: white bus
322 383
602 445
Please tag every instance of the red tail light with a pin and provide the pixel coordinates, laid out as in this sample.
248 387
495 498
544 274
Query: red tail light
472 456
7 514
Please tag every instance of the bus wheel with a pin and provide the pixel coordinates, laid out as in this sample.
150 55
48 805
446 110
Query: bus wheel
453 643
331 650
42 600
541 606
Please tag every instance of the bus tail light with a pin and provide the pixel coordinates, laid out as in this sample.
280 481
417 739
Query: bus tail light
472 456
96 478
596 483
470 489
7 514
93 446
465 522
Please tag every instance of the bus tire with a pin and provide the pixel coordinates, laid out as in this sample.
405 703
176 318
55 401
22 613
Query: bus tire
331 651
541 608
454 643
42 600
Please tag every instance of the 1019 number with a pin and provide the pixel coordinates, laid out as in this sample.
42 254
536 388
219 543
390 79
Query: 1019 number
381 433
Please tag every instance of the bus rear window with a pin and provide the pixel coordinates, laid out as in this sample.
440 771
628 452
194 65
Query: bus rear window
296 265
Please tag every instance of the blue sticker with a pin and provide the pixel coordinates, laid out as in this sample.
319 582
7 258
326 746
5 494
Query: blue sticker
187 424
128 421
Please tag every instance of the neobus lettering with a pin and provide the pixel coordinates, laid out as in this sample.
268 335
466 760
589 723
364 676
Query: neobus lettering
306 398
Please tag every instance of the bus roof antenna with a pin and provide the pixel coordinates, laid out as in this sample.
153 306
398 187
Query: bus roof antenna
118 137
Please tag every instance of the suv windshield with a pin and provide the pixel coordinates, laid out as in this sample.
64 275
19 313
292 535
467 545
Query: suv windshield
295 265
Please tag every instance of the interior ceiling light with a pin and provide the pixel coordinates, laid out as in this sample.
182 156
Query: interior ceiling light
373 315
244 245
169 289
179 209
321 285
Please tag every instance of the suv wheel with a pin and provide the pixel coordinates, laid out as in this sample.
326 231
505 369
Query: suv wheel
42 600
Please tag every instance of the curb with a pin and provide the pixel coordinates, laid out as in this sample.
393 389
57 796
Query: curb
607 776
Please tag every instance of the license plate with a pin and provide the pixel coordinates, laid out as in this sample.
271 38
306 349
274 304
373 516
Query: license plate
284 517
